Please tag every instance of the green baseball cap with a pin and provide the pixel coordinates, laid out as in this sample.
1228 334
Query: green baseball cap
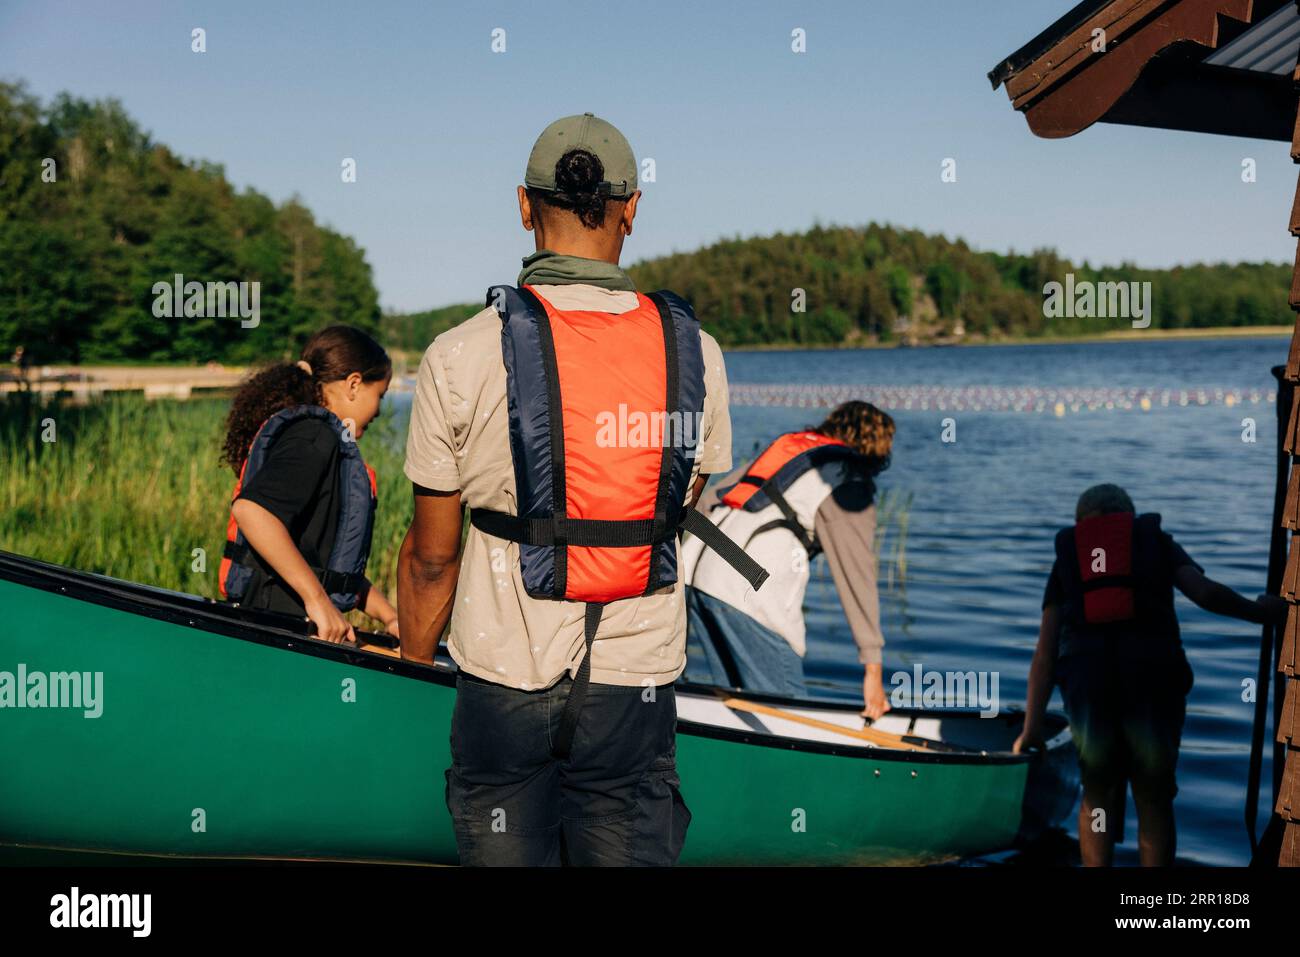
591 133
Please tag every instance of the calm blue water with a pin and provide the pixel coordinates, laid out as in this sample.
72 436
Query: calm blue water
986 507
984 510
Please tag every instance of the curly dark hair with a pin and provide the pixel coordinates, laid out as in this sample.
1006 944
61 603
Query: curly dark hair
867 429
578 175
334 353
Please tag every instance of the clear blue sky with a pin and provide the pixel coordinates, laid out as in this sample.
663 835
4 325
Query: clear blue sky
748 137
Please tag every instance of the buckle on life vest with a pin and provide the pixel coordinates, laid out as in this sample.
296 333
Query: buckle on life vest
1103 547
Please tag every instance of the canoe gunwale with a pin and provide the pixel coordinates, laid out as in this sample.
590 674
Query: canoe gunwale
191 611
1060 739
206 615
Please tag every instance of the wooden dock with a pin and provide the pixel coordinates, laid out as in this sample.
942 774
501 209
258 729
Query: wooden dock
154 382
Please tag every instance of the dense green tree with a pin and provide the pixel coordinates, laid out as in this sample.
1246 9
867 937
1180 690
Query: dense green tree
901 294
93 214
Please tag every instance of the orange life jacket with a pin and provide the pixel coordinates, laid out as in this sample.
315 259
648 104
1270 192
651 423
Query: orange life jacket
776 469
604 414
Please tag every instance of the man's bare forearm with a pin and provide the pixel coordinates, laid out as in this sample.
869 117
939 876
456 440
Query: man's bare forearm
426 589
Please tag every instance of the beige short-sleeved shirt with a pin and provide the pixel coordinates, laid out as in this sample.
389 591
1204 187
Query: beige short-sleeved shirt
459 440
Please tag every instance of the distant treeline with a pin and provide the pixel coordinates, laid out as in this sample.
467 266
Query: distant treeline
93 214
879 283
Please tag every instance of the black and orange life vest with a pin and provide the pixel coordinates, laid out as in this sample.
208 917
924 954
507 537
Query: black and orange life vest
790 456
1115 579
604 411
343 575
1103 551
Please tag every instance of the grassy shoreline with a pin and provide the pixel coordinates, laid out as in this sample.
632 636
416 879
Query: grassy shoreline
132 488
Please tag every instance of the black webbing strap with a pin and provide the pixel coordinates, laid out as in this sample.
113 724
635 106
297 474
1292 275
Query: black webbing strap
699 525
332 581
578 693
613 533
791 519
794 529
339 582
559 530
1110 581
768 487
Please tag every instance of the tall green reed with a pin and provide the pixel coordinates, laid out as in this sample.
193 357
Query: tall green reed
131 488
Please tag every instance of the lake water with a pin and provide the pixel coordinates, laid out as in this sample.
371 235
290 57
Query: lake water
984 510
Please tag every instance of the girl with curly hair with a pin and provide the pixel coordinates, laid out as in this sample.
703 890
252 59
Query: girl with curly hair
291 439
810 492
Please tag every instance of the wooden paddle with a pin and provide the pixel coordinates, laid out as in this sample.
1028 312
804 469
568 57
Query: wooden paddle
904 742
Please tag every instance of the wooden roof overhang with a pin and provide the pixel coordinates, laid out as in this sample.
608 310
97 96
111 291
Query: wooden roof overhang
1173 64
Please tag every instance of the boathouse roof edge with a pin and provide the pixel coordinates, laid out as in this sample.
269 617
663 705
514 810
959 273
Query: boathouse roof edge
1206 66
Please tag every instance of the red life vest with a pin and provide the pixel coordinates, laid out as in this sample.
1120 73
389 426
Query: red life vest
777 468
343 575
1103 548
1133 597
604 416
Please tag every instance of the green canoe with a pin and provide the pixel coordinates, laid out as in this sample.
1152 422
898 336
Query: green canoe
226 733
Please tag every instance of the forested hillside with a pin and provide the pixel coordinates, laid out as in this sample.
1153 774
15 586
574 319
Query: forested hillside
84 239
878 283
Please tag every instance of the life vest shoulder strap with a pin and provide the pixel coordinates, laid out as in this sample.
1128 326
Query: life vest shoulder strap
778 467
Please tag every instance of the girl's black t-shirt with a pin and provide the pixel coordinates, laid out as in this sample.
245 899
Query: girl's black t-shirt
298 484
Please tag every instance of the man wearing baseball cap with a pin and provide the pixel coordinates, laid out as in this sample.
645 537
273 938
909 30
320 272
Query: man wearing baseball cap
534 780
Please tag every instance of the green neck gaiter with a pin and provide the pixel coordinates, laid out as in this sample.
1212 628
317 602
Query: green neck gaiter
546 267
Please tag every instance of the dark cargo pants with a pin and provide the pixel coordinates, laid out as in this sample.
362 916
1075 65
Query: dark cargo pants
614 801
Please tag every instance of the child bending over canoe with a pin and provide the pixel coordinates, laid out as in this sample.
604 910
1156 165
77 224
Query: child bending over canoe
810 492
1109 637
303 508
